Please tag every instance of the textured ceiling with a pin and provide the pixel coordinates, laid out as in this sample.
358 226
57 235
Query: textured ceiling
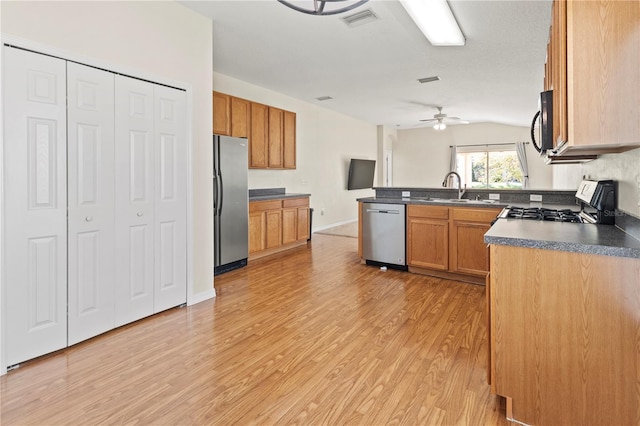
371 70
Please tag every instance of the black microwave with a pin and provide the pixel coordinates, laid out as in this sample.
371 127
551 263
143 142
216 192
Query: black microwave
545 129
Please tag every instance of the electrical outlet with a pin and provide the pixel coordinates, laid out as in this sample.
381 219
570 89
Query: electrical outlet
535 197
494 196
406 194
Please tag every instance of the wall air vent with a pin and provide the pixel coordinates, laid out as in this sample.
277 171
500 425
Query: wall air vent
360 18
428 79
323 98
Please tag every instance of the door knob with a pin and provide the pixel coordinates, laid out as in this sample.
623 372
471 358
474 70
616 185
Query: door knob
139 214
88 218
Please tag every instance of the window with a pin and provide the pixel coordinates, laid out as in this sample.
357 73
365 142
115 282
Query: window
490 168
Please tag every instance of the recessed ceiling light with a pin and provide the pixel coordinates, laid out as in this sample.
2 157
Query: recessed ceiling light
428 79
323 98
435 20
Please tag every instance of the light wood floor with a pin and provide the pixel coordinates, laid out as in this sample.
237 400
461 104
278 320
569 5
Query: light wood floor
307 337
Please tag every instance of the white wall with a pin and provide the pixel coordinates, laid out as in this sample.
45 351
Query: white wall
386 137
325 141
421 156
159 39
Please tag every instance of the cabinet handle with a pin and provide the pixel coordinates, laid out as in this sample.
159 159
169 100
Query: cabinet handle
88 218
139 214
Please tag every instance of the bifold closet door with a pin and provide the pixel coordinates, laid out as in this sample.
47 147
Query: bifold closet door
90 154
150 193
170 207
35 205
134 196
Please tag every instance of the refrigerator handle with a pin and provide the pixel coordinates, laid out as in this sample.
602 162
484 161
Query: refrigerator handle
215 195
220 193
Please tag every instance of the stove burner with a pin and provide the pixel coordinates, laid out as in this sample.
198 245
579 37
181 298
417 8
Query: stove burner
536 213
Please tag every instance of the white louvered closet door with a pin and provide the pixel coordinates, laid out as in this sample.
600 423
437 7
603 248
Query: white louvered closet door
134 195
91 252
170 214
35 205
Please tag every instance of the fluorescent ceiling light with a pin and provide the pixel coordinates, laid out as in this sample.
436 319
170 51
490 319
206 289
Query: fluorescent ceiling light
435 20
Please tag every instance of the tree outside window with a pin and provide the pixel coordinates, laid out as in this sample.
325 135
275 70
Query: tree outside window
490 169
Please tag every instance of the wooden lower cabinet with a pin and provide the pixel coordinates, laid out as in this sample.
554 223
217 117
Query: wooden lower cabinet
257 231
469 253
273 229
277 225
427 239
449 239
564 336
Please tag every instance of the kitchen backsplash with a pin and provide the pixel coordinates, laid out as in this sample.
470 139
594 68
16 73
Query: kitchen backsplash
625 169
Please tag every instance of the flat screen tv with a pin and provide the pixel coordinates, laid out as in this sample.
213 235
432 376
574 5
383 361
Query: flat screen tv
361 174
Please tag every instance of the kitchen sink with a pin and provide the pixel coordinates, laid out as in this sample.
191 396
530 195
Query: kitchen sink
454 200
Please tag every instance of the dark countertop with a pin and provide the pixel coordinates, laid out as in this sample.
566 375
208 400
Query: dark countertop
607 240
430 202
276 196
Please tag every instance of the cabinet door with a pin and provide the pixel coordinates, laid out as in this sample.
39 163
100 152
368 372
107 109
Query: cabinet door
428 243
469 252
240 113
303 223
289 225
91 189
273 228
221 114
289 139
170 198
257 231
275 138
134 196
34 205
603 72
259 142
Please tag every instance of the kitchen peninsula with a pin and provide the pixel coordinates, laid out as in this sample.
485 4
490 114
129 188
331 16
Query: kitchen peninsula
563 308
445 233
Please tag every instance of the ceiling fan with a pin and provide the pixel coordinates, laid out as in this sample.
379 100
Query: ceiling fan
440 120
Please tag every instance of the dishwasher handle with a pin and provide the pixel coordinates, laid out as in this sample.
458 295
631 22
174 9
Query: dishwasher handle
383 211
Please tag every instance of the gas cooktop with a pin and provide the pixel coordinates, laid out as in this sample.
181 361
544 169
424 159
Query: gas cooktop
539 213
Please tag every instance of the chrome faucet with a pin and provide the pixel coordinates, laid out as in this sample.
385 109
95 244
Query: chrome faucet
460 190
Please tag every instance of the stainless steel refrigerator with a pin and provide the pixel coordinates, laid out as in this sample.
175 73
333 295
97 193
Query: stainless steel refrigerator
230 203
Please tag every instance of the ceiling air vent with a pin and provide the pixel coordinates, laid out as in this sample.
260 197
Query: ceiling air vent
323 98
429 79
360 18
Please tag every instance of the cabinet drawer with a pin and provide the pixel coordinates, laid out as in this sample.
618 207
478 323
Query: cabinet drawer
475 215
295 202
257 206
433 212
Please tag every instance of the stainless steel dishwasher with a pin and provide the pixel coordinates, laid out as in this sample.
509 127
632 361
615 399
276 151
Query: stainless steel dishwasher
383 235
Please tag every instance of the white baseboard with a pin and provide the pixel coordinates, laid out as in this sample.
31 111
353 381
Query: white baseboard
333 225
201 297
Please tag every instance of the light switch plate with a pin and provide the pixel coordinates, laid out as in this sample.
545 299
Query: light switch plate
535 197
406 194
494 196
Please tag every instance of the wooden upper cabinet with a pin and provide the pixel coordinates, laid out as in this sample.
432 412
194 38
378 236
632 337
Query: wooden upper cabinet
221 114
276 117
595 75
289 140
259 142
240 117
271 131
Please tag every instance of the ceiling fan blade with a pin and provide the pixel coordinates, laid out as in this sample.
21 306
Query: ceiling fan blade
429 120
